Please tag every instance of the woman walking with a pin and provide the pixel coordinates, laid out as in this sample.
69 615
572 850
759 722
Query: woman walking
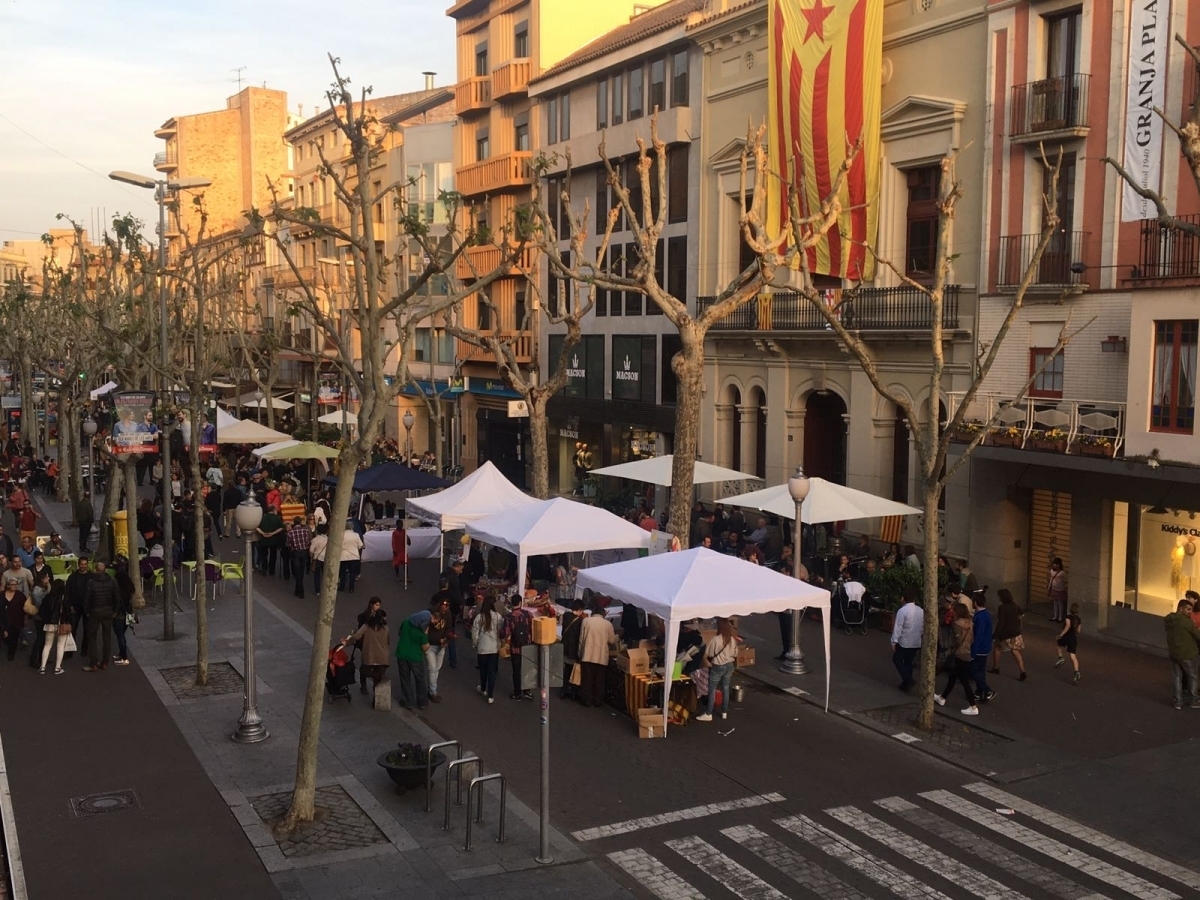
14 614
485 638
316 555
56 628
1068 640
41 587
1056 590
961 656
124 611
374 641
720 655
1008 633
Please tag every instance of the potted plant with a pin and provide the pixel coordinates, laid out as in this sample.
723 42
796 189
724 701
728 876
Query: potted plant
1095 445
1054 440
887 588
1006 436
406 765
966 432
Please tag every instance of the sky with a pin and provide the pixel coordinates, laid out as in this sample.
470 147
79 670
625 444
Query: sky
86 82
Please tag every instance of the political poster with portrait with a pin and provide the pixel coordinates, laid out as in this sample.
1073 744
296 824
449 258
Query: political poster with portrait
208 425
134 429
329 391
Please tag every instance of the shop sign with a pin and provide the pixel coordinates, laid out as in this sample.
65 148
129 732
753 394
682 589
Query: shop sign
627 368
518 409
1179 529
626 373
458 384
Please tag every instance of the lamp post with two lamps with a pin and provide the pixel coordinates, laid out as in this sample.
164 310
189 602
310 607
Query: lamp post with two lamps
248 516
161 186
793 661
409 420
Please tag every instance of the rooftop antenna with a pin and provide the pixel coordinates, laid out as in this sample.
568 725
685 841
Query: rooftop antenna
239 70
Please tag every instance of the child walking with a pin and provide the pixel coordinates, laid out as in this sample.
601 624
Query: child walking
1068 640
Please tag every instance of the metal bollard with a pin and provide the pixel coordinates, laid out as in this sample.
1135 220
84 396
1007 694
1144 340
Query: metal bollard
478 783
429 770
449 774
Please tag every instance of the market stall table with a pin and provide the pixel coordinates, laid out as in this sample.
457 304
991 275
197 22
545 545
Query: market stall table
423 543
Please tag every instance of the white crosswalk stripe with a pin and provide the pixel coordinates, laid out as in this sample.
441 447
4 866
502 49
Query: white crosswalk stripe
678 815
1097 839
653 875
735 877
899 883
950 834
1056 850
807 874
922 854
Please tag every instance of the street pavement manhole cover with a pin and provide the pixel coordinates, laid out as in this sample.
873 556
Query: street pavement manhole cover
340 823
222 679
948 732
109 801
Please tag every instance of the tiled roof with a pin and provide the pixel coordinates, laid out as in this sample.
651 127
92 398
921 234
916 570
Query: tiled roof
653 21
382 107
728 11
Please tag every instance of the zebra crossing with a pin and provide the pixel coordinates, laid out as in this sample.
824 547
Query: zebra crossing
979 841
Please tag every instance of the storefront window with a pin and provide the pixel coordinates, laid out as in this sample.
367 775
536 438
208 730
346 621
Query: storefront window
638 443
1158 549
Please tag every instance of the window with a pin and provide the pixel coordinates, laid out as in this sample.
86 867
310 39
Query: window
601 104
618 98
922 221
482 146
660 253
616 268
481 60
658 85
520 311
558 290
637 93
521 40
552 120
558 118
521 131
677 285
1173 402
1050 382
1062 44
442 350
601 205
671 344
633 299
679 78
677 184
564 124
555 210
483 320
633 184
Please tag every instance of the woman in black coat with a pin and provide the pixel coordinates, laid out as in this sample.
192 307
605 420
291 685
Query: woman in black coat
124 609
54 613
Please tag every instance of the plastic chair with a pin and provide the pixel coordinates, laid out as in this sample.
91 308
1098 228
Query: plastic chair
160 579
212 575
232 572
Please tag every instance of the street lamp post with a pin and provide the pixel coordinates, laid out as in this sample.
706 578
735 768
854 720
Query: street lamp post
793 661
250 730
160 188
89 431
258 399
39 445
408 421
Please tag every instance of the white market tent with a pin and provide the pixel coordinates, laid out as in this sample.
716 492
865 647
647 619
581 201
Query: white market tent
225 420
251 402
335 418
703 583
826 502
556 526
485 492
657 470
246 432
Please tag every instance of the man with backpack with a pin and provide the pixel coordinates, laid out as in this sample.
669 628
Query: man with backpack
516 631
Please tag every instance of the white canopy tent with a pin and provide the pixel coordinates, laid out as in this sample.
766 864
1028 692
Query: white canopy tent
657 470
703 583
105 388
826 502
251 402
485 492
556 526
246 432
225 420
335 418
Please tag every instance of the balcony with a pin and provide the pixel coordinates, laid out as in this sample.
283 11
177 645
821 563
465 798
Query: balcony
1191 87
1168 252
481 260
285 277
166 160
166 130
473 95
1050 109
1074 427
511 79
1056 267
512 170
867 309
521 342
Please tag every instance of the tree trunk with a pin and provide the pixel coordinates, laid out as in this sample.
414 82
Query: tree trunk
305 791
270 400
28 413
106 546
68 459
129 469
688 366
540 446
198 510
929 640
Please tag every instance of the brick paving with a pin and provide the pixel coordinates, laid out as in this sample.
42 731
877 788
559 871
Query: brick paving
340 824
948 732
222 679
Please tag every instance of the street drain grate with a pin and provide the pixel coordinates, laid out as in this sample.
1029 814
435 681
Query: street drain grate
107 802
222 679
949 732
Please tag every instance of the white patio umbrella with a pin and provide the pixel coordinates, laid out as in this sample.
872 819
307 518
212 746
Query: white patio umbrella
295 450
246 432
273 402
657 470
335 418
826 502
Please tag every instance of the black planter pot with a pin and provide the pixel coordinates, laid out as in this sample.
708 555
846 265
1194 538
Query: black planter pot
408 777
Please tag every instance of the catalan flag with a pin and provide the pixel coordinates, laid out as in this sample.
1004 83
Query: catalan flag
824 79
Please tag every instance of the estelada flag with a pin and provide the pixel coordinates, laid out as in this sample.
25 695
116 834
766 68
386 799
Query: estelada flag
824 83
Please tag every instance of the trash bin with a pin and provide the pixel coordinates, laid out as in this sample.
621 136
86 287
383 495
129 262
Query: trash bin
120 533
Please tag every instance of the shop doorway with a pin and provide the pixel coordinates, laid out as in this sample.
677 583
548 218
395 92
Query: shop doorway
1049 537
825 437
502 442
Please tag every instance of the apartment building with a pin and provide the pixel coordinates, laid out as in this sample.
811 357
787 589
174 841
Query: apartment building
1099 465
501 46
13 264
239 148
424 118
619 403
779 388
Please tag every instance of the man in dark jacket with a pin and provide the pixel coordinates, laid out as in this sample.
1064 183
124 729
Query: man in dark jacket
981 646
100 605
451 583
76 588
1183 646
572 627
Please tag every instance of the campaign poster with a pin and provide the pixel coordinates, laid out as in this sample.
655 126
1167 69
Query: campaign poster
134 429
208 427
329 391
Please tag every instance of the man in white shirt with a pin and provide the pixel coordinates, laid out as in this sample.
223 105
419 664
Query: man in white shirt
351 561
906 639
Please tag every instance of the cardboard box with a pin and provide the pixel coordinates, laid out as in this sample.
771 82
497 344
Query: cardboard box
634 661
650 722
745 657
545 630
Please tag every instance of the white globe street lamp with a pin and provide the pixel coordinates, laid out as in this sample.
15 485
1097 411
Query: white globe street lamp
248 516
798 487
409 420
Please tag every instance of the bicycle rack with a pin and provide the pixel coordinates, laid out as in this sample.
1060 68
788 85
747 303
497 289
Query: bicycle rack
478 783
449 775
429 770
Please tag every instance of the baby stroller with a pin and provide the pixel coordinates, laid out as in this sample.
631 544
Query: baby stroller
339 675
851 600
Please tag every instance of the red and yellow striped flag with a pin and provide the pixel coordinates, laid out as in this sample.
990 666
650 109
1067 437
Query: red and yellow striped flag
824 82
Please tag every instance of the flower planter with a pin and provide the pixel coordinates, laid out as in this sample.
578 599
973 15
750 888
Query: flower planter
961 436
1047 446
885 620
408 777
1006 440
1100 450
